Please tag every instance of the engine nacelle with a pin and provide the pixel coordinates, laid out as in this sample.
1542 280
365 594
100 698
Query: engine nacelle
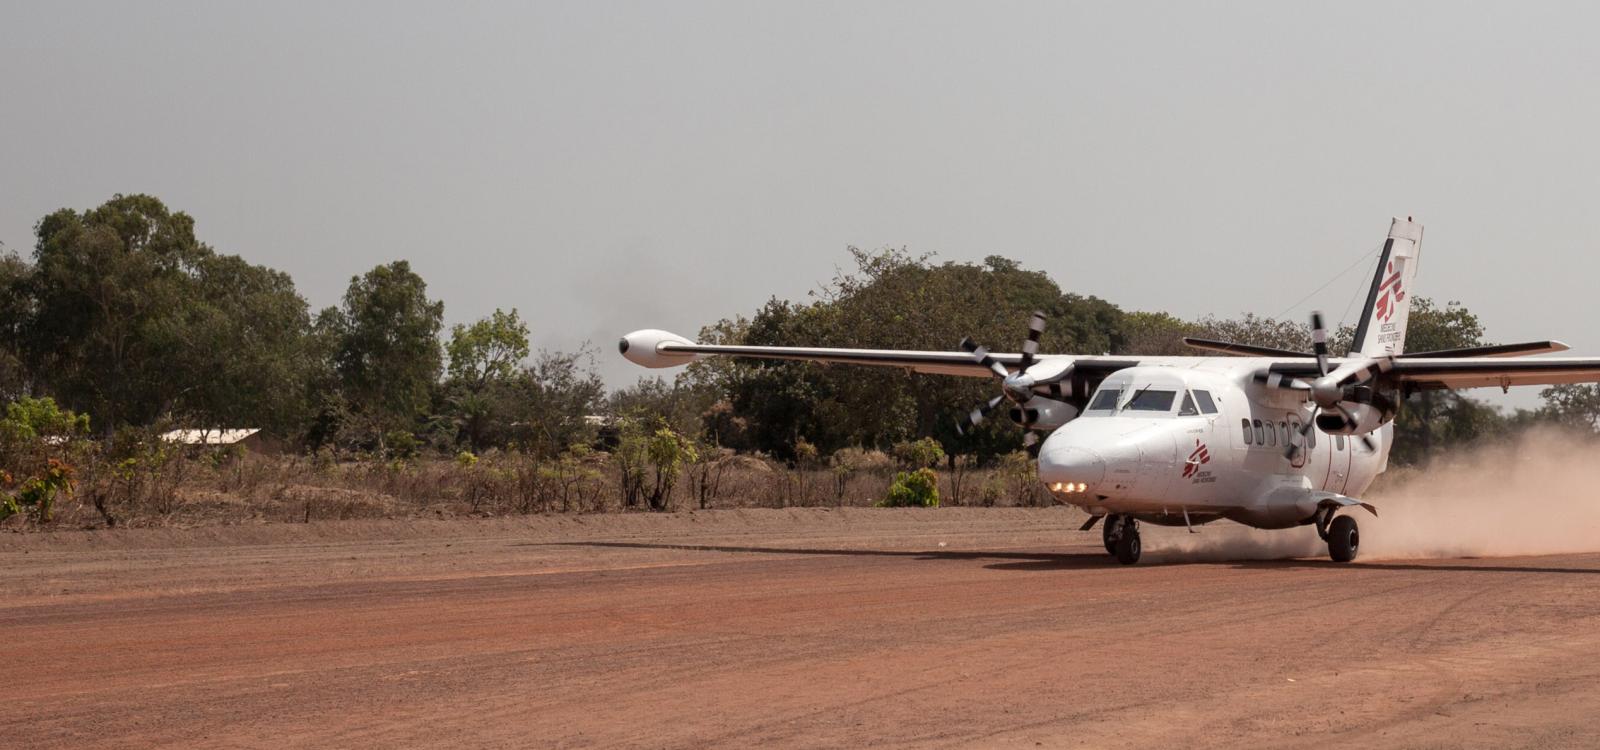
1044 414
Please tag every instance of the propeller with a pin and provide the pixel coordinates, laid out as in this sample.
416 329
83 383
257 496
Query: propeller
1015 385
1331 392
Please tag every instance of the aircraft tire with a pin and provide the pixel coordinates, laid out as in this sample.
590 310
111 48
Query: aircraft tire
1344 540
1128 546
1105 536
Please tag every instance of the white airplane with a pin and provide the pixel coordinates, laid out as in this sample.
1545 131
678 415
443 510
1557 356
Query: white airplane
1264 437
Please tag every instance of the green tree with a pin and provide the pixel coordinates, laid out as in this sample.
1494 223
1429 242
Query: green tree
130 318
488 350
1576 406
110 287
1430 420
247 344
389 357
15 310
895 300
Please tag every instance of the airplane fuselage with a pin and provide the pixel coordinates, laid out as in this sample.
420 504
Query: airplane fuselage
1189 444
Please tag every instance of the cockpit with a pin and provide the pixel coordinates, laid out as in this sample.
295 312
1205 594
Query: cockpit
1161 395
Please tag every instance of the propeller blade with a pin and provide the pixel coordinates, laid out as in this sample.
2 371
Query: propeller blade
1279 380
1030 347
1366 371
1293 451
981 356
1319 342
976 416
1030 443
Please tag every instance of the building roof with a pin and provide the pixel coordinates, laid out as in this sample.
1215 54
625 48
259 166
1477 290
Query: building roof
208 437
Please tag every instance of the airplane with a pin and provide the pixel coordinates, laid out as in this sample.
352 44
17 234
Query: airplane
1264 437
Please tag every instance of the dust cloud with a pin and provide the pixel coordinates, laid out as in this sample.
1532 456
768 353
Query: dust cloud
1532 495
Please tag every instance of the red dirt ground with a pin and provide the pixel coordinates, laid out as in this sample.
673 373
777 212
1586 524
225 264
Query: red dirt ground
948 628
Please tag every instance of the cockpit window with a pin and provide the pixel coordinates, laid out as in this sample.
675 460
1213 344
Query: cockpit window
1207 406
1151 400
1188 409
1105 399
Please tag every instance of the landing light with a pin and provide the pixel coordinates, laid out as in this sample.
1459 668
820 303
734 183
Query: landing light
1069 487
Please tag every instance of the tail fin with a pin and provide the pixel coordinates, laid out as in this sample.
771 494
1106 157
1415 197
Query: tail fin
1382 330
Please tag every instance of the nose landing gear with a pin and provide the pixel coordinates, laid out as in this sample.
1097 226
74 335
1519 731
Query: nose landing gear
1121 536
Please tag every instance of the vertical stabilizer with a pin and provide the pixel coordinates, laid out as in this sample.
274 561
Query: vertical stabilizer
1382 330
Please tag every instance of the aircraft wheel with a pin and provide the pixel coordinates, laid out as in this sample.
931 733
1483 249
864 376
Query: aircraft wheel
1107 530
1344 540
1128 546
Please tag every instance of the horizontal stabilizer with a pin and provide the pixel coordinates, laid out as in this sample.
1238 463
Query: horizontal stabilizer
1240 350
1498 350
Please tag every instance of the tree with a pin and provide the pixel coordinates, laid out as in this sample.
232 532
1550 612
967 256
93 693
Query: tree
1429 420
15 310
895 300
488 350
109 287
1576 406
389 356
130 318
247 347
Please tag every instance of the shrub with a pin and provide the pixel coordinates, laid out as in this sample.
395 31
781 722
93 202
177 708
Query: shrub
918 454
401 445
913 489
37 493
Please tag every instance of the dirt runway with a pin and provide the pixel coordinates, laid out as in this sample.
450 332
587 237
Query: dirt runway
949 628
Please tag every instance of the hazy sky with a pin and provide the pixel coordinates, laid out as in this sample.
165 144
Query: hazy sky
611 166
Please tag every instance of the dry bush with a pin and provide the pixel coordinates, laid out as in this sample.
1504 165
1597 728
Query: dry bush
137 482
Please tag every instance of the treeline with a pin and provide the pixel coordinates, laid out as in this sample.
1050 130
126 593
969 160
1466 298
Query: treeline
125 316
122 314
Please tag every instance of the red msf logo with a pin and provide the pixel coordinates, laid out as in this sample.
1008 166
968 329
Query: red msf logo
1389 295
1199 456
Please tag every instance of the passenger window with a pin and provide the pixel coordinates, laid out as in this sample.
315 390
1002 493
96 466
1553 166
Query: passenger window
1188 409
1272 435
1245 423
1283 429
1261 435
1338 442
1311 437
1207 406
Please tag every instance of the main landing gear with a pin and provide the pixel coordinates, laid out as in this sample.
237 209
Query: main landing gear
1341 534
1121 536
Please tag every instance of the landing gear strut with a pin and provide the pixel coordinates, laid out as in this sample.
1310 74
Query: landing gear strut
1121 536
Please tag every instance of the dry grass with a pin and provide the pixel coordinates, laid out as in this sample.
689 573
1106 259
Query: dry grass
195 490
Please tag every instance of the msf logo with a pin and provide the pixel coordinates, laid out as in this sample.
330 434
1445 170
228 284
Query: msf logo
1198 457
1389 295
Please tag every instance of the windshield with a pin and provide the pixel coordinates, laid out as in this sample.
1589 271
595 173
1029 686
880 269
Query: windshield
1108 401
1151 400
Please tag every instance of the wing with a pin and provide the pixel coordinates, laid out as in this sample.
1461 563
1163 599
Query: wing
1502 372
1466 372
652 348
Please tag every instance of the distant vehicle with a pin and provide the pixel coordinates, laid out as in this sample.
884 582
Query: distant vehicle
1265 437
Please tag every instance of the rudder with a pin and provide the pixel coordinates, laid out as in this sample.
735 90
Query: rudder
1382 330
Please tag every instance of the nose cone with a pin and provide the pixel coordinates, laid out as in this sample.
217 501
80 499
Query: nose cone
1072 464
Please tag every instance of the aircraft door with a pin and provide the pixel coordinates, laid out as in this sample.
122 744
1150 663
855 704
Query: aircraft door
1304 454
1340 447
